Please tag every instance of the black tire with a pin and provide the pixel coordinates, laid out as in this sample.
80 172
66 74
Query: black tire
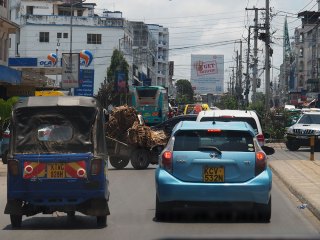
140 159
16 220
292 146
118 163
264 211
101 221
162 211
4 157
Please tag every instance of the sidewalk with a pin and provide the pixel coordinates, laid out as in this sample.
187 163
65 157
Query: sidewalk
302 177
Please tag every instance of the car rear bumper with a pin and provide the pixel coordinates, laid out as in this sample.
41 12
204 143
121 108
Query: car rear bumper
256 190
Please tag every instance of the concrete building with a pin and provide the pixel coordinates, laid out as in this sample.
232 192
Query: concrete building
50 29
8 76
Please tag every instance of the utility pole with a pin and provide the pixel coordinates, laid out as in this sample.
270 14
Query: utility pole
255 56
267 58
246 93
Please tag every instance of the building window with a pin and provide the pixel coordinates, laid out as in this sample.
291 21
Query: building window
3 3
44 37
65 35
29 10
79 13
93 38
59 35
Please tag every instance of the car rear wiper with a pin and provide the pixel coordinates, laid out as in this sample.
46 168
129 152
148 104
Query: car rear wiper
210 148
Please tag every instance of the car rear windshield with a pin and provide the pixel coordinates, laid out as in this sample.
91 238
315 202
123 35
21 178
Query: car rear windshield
202 140
248 120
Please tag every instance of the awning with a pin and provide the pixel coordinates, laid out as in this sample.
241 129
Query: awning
10 75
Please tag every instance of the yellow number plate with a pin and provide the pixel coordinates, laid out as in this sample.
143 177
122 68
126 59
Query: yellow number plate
56 170
213 174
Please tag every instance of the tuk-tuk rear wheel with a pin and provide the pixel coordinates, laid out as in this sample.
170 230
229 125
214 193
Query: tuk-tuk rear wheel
140 159
16 220
102 221
118 163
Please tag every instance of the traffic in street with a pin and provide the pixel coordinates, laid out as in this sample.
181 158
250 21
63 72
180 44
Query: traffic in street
132 211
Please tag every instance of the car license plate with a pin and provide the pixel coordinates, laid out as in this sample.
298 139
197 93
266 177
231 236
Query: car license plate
56 170
302 137
213 174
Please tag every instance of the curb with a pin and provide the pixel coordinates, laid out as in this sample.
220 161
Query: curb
297 194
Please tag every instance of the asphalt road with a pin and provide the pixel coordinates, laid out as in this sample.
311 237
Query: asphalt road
132 207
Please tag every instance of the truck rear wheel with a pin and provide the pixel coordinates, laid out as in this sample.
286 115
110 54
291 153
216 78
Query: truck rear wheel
101 221
140 158
118 163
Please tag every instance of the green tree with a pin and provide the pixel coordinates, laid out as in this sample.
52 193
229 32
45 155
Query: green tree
108 91
184 92
5 109
228 102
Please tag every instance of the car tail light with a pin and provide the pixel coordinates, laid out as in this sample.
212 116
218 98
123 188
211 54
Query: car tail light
261 162
260 138
96 166
13 167
166 161
6 135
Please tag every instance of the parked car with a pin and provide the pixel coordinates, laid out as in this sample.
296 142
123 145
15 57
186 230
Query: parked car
299 134
248 116
169 124
5 143
212 163
57 159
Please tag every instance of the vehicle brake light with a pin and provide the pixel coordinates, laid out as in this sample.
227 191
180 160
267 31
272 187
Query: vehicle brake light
261 162
214 130
81 172
227 116
167 160
13 167
96 166
6 135
260 138
28 169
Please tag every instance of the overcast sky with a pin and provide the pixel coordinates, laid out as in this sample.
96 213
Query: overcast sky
206 22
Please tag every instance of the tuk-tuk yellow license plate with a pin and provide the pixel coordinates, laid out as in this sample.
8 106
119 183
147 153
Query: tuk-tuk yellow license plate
213 174
56 170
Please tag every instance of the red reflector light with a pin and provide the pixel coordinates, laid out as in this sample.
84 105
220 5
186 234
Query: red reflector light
13 167
214 130
96 166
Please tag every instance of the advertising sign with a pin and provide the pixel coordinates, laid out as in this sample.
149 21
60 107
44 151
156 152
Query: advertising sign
70 70
207 74
121 82
86 83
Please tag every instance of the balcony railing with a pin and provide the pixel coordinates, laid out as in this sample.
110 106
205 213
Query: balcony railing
81 21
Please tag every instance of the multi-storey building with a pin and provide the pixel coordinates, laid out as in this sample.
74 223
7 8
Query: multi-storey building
161 35
49 29
8 75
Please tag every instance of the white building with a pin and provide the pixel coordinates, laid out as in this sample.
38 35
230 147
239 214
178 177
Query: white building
47 28
161 34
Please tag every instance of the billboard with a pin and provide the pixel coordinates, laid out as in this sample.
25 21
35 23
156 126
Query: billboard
207 74
70 70
86 83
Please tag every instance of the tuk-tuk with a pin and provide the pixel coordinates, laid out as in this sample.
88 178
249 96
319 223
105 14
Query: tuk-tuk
57 160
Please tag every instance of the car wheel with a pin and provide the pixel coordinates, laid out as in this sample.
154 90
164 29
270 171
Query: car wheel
162 210
140 159
101 221
16 220
4 157
292 146
264 211
118 163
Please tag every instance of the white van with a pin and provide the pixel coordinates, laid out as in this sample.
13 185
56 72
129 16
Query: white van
248 116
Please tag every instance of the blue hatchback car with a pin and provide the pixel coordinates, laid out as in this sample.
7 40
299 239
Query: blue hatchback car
209 164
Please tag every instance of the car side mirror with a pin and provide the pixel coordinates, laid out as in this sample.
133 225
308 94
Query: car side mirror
268 150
